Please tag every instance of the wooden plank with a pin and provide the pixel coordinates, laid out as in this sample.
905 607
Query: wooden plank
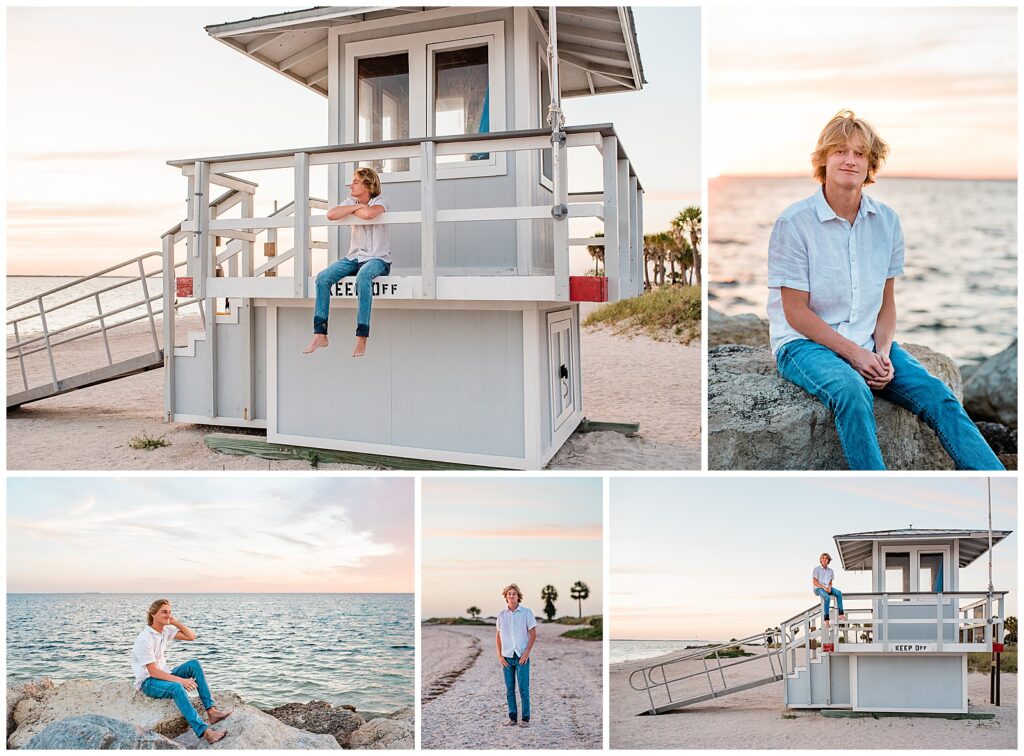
90 378
257 446
301 260
610 175
428 226
593 426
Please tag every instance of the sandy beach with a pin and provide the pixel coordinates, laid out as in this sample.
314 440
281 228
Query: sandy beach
90 429
464 696
754 719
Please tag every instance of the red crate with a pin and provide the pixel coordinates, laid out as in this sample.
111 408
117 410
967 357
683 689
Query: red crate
588 289
183 286
828 648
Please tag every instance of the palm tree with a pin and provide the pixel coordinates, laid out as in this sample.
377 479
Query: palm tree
597 252
1011 630
688 224
550 596
579 592
650 255
473 612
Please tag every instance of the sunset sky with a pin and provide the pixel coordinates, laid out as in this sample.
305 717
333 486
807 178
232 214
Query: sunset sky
938 83
216 535
714 559
89 130
480 534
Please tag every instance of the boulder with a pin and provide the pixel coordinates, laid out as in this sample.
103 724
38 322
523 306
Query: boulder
1003 441
320 717
118 700
746 329
393 732
93 732
991 391
16 692
757 420
248 728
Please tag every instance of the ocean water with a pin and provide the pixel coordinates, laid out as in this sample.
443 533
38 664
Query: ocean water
271 649
958 294
127 296
635 650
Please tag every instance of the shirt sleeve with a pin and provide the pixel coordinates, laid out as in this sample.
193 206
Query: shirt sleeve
144 651
531 621
896 260
787 259
348 201
380 201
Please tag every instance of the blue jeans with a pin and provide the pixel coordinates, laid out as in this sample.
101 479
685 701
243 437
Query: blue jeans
821 372
521 672
364 272
166 689
826 599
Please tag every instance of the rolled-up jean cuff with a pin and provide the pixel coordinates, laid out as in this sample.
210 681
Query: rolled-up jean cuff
362 329
320 325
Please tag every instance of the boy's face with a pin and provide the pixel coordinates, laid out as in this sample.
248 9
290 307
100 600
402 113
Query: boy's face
512 598
824 561
163 615
847 165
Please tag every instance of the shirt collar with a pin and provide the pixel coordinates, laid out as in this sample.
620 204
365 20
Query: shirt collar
825 212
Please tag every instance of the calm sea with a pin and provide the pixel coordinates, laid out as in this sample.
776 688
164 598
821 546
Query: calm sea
634 650
271 649
127 296
958 294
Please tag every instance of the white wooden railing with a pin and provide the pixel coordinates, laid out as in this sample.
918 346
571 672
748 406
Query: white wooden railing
619 205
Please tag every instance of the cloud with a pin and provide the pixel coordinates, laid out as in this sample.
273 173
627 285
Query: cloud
92 155
584 532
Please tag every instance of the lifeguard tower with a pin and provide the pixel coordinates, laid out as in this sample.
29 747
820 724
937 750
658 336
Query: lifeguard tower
902 648
475 349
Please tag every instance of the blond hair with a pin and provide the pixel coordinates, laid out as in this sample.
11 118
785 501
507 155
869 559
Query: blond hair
370 180
843 127
511 587
153 609
827 555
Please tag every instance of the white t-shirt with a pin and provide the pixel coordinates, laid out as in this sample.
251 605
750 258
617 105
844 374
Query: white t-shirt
150 647
514 629
369 242
823 575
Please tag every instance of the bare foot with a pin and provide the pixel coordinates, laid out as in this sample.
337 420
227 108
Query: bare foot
828 624
360 349
216 715
319 340
212 736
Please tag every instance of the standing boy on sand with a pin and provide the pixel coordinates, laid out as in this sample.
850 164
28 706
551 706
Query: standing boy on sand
821 579
516 634
152 677
369 256
833 259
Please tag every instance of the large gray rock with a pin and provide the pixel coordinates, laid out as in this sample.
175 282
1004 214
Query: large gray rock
118 700
395 732
991 392
757 420
746 329
94 732
248 728
16 692
320 717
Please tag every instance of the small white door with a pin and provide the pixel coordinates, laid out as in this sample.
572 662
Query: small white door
560 368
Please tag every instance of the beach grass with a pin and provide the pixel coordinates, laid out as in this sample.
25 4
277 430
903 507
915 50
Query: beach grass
593 631
148 442
584 620
980 661
731 652
668 313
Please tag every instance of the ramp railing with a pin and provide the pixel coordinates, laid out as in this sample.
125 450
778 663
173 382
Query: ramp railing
659 679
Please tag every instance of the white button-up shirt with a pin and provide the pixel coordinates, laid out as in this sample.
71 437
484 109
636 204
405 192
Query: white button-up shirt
370 241
844 268
514 630
150 647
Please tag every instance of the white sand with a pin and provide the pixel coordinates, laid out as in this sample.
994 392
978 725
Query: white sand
655 383
565 692
753 719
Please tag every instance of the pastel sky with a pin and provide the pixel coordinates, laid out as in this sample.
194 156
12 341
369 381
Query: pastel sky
89 131
480 534
720 558
218 535
939 84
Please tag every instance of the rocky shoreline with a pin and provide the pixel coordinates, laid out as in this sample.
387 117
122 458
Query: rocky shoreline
86 714
759 421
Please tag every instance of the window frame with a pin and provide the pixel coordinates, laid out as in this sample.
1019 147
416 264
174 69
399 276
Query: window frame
543 72
420 47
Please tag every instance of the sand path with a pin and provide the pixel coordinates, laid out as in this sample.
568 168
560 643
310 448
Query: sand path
655 383
753 719
565 691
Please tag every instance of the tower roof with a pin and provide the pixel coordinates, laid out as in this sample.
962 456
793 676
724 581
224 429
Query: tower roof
856 549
